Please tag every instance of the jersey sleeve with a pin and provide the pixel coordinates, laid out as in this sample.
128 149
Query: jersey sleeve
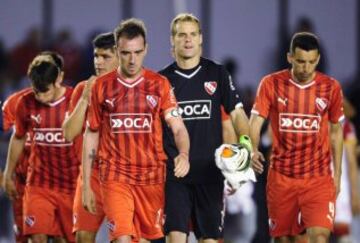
336 110
263 98
8 114
76 95
168 99
22 124
230 97
224 115
94 110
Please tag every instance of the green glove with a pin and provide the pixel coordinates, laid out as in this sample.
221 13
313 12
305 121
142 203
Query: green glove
245 141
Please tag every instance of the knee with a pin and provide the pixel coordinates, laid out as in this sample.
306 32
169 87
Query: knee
85 236
319 236
39 238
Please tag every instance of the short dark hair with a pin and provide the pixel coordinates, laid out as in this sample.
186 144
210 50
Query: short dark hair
42 75
304 40
130 29
58 59
104 41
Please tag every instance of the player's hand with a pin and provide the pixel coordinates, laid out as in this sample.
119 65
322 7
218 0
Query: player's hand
9 187
88 199
257 160
87 89
182 165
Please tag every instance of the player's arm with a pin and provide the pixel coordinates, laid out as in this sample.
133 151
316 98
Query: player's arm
256 123
229 134
240 121
16 147
336 134
73 124
350 150
228 131
182 141
90 147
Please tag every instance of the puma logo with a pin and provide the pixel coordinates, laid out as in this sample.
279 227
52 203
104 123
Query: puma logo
36 118
110 102
282 101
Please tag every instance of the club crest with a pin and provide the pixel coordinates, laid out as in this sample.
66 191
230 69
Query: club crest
210 87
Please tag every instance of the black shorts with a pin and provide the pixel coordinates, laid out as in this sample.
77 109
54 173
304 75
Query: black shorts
201 205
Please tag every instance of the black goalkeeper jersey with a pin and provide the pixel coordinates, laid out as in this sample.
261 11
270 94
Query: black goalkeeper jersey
200 92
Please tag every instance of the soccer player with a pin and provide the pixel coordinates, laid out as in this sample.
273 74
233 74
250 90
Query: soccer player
8 116
53 165
201 87
127 106
87 224
303 107
348 201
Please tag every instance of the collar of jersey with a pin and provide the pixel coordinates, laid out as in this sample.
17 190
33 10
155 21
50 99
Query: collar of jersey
133 83
185 73
304 86
55 103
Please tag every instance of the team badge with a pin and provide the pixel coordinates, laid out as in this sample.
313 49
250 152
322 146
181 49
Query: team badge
152 101
111 225
321 104
30 221
272 224
210 87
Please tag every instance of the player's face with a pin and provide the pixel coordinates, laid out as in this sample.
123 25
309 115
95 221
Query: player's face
47 96
304 64
131 55
105 60
187 40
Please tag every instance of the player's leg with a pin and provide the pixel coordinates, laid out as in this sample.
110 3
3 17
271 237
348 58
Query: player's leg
283 207
18 211
317 205
209 212
149 211
318 234
178 205
119 209
86 224
64 215
39 214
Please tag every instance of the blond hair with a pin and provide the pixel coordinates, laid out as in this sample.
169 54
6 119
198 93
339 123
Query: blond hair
184 17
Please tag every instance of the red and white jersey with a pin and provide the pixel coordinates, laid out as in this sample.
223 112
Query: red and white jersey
299 117
343 201
75 97
9 111
53 161
129 117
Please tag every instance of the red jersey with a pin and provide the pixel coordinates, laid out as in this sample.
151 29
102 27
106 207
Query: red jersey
129 116
75 97
53 162
299 117
9 111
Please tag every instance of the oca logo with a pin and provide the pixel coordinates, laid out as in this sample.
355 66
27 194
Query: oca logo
195 109
131 122
299 123
50 137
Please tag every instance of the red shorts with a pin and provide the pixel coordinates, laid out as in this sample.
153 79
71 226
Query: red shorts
297 204
135 210
18 211
48 212
82 219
